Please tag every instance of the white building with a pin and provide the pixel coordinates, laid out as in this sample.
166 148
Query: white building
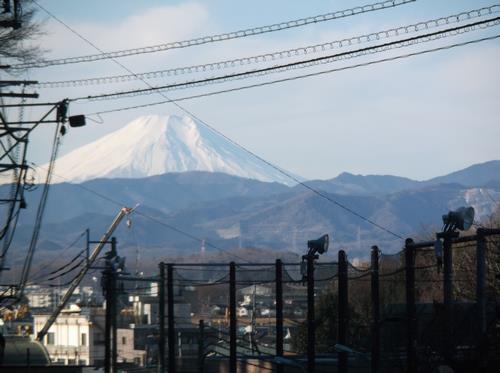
76 337
45 297
39 297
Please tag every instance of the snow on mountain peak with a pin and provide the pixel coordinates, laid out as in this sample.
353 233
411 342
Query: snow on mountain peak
152 145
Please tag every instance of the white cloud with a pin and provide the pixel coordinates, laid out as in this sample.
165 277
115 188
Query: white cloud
148 27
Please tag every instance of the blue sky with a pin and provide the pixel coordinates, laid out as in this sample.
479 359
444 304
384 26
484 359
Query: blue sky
419 117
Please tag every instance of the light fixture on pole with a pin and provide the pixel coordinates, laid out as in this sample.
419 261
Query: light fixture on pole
461 219
315 247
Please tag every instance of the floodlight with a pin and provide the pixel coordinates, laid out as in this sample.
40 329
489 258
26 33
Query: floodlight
77 120
460 219
319 245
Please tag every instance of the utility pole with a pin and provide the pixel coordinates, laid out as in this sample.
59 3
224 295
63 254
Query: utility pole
311 322
411 312
375 295
107 321
161 316
110 327
171 319
232 319
343 309
113 307
279 312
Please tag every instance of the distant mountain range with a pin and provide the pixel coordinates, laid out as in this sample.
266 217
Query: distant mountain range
219 198
483 174
231 212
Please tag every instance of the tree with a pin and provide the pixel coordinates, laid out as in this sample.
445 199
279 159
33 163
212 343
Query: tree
16 42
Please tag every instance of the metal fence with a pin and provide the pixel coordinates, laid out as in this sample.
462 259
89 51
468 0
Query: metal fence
412 311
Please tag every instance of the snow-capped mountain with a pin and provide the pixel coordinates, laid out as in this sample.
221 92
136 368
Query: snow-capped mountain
154 145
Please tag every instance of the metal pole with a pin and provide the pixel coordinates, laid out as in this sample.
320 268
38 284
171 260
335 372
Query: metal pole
375 295
170 315
447 271
343 318
411 347
232 318
107 325
279 312
87 246
480 281
311 325
161 316
201 345
448 293
114 353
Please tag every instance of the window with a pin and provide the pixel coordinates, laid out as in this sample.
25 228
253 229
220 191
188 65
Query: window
50 338
124 340
83 339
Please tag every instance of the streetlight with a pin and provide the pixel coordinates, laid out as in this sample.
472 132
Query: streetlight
315 247
460 219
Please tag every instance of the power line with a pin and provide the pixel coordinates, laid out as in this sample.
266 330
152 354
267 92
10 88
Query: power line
40 211
213 38
217 132
297 77
303 63
262 58
43 266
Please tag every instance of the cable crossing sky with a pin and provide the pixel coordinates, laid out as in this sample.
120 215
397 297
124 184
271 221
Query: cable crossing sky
304 63
216 38
283 54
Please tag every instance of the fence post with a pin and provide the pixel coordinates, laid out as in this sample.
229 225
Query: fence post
447 272
343 316
232 318
201 346
161 316
480 280
448 293
375 295
171 319
411 313
279 312
311 324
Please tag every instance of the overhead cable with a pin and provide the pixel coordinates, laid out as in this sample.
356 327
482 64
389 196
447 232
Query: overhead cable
262 58
215 38
37 275
297 77
40 212
303 63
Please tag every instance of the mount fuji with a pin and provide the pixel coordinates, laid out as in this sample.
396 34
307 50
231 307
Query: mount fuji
153 145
